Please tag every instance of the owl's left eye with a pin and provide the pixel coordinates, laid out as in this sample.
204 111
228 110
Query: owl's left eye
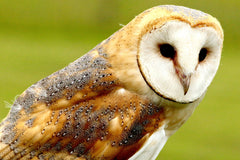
202 54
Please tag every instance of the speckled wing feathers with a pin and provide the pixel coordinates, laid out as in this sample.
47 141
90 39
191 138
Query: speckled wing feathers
81 112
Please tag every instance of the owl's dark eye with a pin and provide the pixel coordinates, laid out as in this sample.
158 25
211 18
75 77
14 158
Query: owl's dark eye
202 54
167 50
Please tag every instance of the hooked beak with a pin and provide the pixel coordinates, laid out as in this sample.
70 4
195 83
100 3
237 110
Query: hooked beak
184 79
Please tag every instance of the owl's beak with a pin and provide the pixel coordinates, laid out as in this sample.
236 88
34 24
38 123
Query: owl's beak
184 79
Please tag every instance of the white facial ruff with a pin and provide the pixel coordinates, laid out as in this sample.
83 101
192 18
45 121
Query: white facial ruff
159 72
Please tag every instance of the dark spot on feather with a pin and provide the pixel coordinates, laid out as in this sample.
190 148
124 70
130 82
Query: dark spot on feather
29 122
41 157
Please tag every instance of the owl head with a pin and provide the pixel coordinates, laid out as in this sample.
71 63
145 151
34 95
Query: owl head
174 51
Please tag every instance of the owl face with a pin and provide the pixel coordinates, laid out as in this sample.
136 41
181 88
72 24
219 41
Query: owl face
167 53
178 61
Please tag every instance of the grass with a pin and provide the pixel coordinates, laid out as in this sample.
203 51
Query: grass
32 49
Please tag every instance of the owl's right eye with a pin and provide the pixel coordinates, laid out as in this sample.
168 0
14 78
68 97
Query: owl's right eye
167 50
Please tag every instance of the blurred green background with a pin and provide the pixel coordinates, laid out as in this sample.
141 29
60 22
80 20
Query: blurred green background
41 36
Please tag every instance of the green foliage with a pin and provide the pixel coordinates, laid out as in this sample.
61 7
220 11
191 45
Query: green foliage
39 37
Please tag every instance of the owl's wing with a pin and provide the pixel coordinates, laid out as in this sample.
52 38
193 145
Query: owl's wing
79 112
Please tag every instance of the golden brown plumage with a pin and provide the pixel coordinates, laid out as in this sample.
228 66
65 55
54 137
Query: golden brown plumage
80 112
100 106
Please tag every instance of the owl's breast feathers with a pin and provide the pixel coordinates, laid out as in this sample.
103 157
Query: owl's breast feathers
79 112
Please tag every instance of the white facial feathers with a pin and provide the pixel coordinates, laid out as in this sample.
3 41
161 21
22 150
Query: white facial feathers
185 74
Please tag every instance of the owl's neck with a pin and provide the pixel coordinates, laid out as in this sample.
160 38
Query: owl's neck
175 117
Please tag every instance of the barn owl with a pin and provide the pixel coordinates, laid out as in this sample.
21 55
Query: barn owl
125 97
